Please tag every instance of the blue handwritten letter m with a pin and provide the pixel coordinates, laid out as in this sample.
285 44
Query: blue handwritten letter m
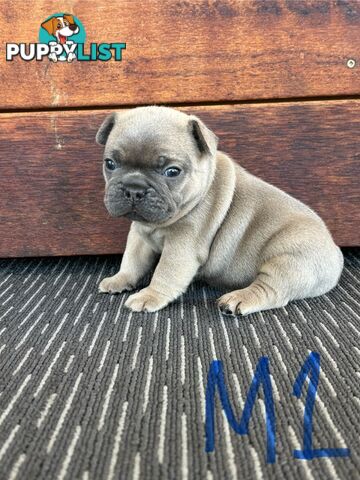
261 377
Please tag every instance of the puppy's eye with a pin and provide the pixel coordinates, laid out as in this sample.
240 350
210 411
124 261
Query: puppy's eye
58 25
110 164
172 172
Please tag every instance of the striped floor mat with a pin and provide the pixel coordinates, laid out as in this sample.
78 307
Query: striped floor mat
90 391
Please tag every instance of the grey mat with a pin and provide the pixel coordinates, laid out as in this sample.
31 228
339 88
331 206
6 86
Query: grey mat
89 391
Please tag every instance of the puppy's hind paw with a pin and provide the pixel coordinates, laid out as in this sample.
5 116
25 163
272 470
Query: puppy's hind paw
247 300
71 57
239 302
53 57
225 309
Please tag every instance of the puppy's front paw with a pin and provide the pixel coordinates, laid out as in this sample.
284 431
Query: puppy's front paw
116 284
147 300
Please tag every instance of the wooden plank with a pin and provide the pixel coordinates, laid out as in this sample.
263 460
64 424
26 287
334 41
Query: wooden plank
189 51
51 186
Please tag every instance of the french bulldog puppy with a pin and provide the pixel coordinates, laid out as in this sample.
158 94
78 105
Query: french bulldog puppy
197 214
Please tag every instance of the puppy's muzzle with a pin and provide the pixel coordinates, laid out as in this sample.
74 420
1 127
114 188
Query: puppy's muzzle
135 190
135 198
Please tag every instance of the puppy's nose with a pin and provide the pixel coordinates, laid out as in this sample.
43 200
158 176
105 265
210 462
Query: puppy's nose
135 191
73 27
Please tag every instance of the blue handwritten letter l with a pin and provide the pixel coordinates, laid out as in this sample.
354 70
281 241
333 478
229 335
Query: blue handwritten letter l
216 379
311 369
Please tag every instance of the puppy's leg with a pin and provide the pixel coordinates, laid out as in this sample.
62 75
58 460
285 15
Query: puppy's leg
137 261
176 269
280 279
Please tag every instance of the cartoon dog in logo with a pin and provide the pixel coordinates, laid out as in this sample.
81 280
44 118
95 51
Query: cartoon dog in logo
61 27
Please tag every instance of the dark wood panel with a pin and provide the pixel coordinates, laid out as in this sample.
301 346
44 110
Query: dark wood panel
51 184
189 51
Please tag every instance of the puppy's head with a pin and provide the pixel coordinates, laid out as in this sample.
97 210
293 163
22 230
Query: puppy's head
158 163
61 27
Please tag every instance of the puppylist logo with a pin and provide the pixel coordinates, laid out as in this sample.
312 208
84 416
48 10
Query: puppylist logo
61 39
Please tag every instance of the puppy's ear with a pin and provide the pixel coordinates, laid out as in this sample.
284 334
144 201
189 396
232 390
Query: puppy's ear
69 18
206 140
105 129
49 25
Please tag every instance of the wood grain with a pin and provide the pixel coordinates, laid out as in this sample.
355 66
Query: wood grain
51 186
188 51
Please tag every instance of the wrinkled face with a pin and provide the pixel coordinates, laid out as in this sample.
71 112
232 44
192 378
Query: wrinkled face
156 163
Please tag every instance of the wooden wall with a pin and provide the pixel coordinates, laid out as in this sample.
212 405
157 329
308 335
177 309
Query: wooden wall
271 77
